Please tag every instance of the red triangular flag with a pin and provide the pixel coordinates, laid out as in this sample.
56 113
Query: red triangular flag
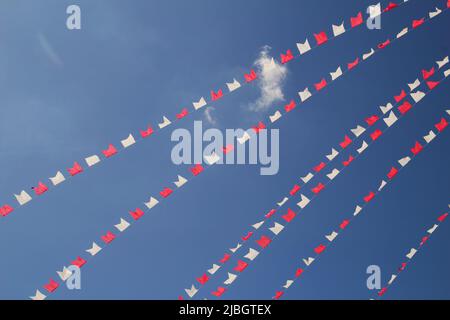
353 64
270 213
182 114
322 84
319 167
441 125
417 148
356 21
384 44
247 236
426 74
289 106
294 190
344 144
225 258
79 262
318 188
40 189
390 6
319 249
197 169
263 241
147 132
404 107
344 224
259 127
220 291
216 96
250 76
166 192
432 84
400 97
376 134
5 210
289 216
417 23
369 197
371 120
285 58
51 286
298 272
278 295
136 214
442 217
110 151
392 173
347 162
241 266
76 169
321 38
203 279
108 237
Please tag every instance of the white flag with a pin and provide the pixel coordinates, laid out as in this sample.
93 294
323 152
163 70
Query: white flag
200 104
303 47
277 228
336 74
303 202
433 14
231 278
417 96
338 30
245 137
363 147
122 225
180 182
374 10
386 108
414 85
391 119
404 161
442 63
252 254
282 202
382 185
308 177
359 130
165 123
411 253
332 155
275 116
212 158
64 274
92 160
392 279
23 197
234 85
402 33
214 269
57 179
446 73
151 203
236 248
432 229
367 55
38 296
357 210
94 249
129 141
333 174
288 284
332 236
256 226
308 261
304 95
191 292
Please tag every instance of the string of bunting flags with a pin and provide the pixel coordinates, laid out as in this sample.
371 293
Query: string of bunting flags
24 197
403 106
166 192
391 174
412 253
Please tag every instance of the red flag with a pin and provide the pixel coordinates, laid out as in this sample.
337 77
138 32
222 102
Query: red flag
321 38
392 173
285 58
108 237
290 106
166 192
241 266
180 298
426 74
344 224
228 148
136 214
147 132
250 76
318 188
298 272
384 44
441 125
322 84
182 114
197 169
347 141
289 216
225 258
79 262
247 236
270 213
278 295
259 127
424 239
263 241
40 189
390 6
432 84
448 3
294 190
372 119
353 64
400 97
402 267
216 96
382 292
356 21
417 148
442 217
110 151
220 291
203 279
369 197
376 134
404 107
319 167
51 286
5 210
76 169
347 162
417 23
319 249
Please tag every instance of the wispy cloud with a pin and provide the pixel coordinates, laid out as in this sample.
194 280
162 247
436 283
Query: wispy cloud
49 51
271 79
209 117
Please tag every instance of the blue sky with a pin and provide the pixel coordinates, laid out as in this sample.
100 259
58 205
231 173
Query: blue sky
65 95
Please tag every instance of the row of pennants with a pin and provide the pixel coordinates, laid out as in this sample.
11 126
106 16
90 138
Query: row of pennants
389 117
196 170
41 188
321 38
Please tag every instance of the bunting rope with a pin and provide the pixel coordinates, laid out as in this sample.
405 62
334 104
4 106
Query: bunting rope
358 132
24 197
195 171
412 253
393 172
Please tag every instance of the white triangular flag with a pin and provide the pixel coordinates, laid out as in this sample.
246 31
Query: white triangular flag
432 229
433 14
402 33
359 130
288 284
303 202
200 104
212 158
151 203
275 116
391 119
363 147
442 63
122 225
386 108
308 261
256 226
303 47
357 210
214 269
308 177
236 248
94 249
392 279
338 30
92 160
336 74
304 95
446 73
277 228
231 278
244 138
57 179
411 253
404 161
165 123
414 85
374 10
64 274
367 55
191 292
282 202
234 85
333 174
332 236
38 296
180 182
23 197
129 141
332 155
252 254
417 96
382 185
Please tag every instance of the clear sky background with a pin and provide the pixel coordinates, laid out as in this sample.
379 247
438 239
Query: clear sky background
65 95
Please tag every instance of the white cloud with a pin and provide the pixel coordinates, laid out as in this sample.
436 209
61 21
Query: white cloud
271 76
209 117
